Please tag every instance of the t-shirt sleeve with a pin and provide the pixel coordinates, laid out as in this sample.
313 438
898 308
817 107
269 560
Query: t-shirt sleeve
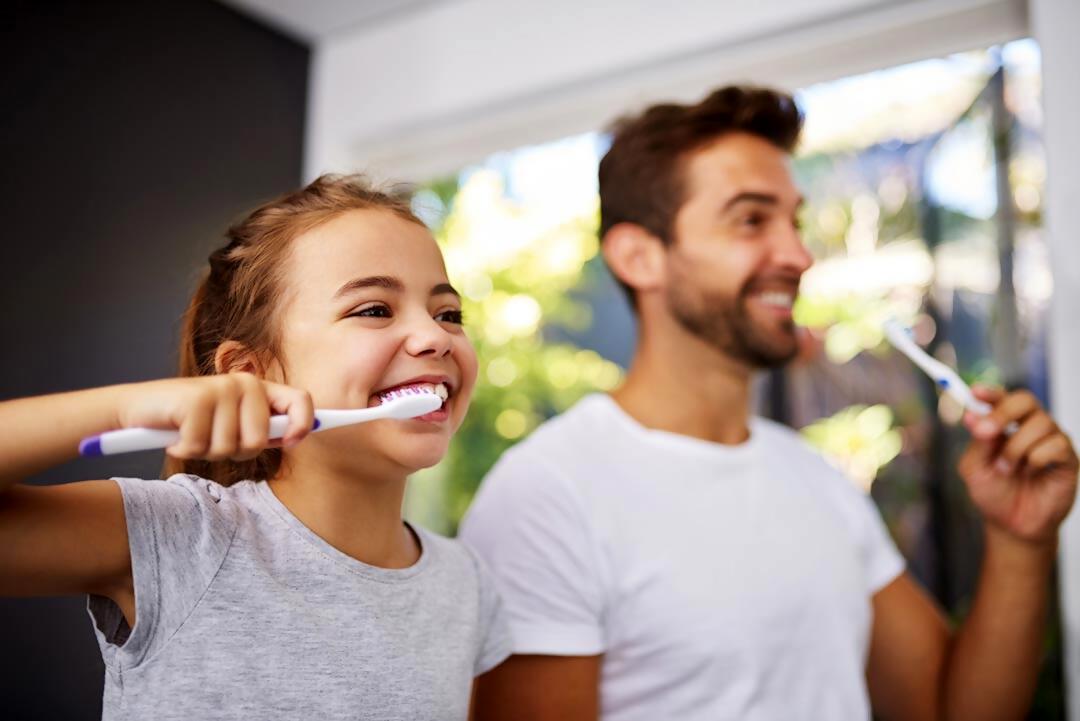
179 531
494 646
881 559
530 528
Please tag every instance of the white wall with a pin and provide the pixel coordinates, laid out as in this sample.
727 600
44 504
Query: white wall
434 90
1056 25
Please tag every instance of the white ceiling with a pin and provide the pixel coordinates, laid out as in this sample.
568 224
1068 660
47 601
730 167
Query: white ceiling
450 82
312 20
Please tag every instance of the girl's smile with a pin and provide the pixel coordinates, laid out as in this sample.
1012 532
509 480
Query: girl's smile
371 310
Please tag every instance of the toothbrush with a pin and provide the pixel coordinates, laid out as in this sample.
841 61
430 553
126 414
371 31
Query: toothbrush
943 376
399 404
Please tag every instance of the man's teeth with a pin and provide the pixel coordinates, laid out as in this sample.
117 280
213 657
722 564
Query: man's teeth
779 299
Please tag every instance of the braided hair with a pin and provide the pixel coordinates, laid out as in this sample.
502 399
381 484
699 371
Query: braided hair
239 294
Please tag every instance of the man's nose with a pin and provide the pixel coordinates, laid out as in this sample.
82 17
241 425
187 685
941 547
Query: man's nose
790 252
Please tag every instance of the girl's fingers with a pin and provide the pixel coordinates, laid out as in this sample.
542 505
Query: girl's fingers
297 405
254 421
228 417
225 434
195 428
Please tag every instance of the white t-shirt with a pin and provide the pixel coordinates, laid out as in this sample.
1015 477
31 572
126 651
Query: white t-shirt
719 582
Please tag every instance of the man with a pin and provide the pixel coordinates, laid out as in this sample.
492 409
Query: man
665 555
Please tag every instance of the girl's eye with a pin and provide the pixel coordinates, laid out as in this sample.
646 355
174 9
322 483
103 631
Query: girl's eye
451 316
372 311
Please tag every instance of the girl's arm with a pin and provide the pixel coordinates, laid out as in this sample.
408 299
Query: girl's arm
73 538
45 431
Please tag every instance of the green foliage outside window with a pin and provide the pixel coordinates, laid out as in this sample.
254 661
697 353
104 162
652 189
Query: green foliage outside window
519 275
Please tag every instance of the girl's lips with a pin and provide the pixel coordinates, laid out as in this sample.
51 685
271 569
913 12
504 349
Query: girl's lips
440 388
436 416
436 386
439 385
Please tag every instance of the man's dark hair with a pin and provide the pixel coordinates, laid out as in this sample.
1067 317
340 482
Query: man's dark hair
641 178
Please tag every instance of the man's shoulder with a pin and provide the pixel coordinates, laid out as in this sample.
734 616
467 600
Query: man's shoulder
553 463
792 455
774 433
560 435
781 441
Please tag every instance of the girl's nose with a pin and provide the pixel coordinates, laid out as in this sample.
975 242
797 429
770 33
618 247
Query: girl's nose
427 338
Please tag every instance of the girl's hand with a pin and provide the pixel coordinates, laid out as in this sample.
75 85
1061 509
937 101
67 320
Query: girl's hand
219 417
1024 483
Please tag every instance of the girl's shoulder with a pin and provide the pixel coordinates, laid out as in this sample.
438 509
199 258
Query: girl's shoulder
468 578
184 498
452 557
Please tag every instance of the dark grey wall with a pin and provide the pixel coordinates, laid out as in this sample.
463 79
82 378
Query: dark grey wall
132 133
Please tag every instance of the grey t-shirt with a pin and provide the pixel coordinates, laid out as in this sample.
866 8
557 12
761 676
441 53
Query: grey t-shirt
242 612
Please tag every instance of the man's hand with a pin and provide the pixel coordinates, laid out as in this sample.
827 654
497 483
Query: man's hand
1023 482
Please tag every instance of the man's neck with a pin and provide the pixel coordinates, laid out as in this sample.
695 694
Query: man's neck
683 385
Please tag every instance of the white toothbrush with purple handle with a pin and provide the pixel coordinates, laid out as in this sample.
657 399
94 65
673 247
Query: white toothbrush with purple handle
399 404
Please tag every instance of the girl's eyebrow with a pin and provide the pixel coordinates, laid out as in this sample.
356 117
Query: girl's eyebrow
444 288
387 282
375 281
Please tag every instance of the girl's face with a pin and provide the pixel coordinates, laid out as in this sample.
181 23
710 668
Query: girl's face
368 308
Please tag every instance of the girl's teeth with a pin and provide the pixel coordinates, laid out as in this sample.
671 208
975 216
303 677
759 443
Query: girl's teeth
438 389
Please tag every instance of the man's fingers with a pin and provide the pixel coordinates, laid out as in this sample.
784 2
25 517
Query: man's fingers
989 394
1014 453
1010 408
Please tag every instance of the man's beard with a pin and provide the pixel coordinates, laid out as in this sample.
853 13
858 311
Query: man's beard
726 325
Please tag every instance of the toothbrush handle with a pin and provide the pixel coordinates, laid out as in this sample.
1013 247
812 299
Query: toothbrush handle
127 440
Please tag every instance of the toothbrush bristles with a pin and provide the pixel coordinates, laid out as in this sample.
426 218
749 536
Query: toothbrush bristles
401 392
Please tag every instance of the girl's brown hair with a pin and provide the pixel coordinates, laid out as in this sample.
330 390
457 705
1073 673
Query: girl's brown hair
238 296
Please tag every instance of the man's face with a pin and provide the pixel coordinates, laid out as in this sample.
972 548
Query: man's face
736 255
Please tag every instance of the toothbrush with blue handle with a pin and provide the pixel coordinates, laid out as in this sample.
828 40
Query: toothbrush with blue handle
399 404
947 379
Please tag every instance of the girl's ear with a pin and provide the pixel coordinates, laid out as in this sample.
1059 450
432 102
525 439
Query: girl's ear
235 357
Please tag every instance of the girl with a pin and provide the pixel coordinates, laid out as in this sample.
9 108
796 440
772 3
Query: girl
272 580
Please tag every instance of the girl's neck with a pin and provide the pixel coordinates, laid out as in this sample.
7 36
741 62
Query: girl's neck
360 517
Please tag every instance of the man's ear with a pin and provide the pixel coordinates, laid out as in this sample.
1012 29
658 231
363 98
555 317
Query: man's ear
635 256
235 357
